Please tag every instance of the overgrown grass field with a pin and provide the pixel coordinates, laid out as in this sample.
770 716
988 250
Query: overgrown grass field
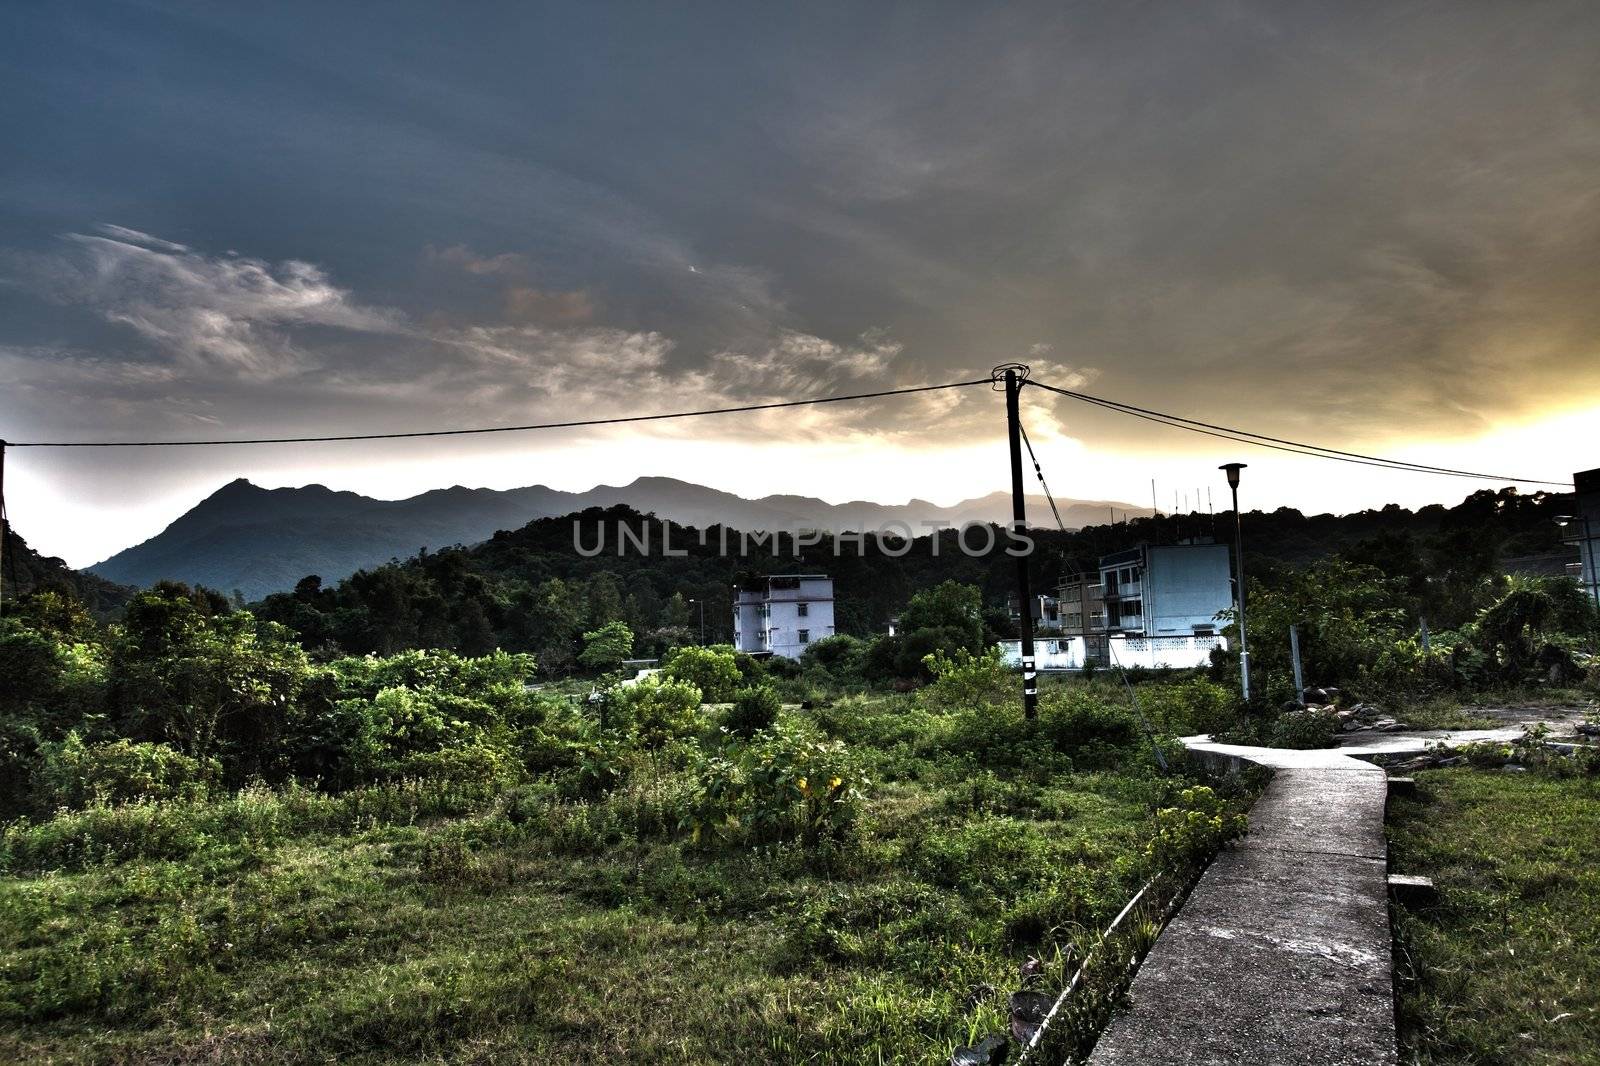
602 913
1506 968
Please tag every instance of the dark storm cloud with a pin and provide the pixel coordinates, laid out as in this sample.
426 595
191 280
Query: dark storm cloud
1347 218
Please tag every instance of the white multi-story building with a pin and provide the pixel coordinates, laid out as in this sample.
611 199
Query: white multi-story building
1166 590
783 616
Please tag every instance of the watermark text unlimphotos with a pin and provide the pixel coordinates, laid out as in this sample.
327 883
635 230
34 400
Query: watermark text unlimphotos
894 539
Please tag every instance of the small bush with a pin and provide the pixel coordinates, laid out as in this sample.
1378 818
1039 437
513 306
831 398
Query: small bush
962 679
1191 832
1305 728
475 768
713 671
784 785
655 711
753 710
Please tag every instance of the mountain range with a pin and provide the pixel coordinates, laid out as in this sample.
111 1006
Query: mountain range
257 541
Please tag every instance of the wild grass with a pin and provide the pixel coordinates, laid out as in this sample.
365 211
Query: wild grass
1504 968
1466 710
416 922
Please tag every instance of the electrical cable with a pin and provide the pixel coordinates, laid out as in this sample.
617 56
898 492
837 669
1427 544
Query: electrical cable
1040 472
1261 440
488 429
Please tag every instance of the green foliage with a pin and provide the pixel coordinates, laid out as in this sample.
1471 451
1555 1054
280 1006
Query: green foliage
75 774
962 679
783 784
1306 727
656 710
1191 706
714 671
753 710
606 647
1191 831
210 684
842 657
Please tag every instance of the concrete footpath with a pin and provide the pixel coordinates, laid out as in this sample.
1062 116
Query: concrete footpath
1282 953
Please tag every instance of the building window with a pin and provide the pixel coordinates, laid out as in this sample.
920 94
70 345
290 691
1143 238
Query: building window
802 609
805 636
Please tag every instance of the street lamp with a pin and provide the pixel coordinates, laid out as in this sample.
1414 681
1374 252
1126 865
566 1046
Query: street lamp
1564 520
1232 470
702 604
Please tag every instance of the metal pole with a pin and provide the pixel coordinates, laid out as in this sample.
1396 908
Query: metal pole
1019 521
1238 564
1594 575
1294 652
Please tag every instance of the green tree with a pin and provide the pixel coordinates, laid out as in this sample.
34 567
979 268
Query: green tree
604 599
949 606
714 670
675 615
209 684
606 647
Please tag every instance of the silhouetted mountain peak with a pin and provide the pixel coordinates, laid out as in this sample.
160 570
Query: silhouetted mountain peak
260 540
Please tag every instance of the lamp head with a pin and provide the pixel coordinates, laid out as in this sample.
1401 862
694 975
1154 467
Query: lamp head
1233 473
1565 520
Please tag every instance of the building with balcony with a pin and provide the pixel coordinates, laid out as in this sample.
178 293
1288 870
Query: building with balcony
1082 609
1166 590
783 615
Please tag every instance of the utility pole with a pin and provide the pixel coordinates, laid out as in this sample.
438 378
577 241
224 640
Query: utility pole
702 604
1294 653
1019 524
1232 470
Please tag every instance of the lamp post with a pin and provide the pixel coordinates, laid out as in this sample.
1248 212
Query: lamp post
1565 520
702 604
1232 470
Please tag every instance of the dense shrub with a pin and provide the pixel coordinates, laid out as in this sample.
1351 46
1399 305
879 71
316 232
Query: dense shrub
782 784
606 647
753 710
75 774
962 679
1189 707
1192 830
1307 727
839 660
714 671
656 711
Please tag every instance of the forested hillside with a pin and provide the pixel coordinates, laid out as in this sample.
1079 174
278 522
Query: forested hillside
530 590
23 570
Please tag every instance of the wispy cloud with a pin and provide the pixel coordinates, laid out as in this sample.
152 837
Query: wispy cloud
231 313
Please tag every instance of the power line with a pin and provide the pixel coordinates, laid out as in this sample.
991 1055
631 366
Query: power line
488 429
1040 472
1261 440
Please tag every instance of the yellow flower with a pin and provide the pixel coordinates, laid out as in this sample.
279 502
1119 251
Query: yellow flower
835 783
802 784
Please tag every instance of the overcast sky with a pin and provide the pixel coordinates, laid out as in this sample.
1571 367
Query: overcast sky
1372 226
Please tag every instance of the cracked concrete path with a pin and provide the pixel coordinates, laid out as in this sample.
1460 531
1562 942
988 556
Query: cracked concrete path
1282 953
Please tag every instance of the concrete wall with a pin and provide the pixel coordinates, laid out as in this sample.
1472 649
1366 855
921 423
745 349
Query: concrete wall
1049 653
1185 585
1067 653
749 632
